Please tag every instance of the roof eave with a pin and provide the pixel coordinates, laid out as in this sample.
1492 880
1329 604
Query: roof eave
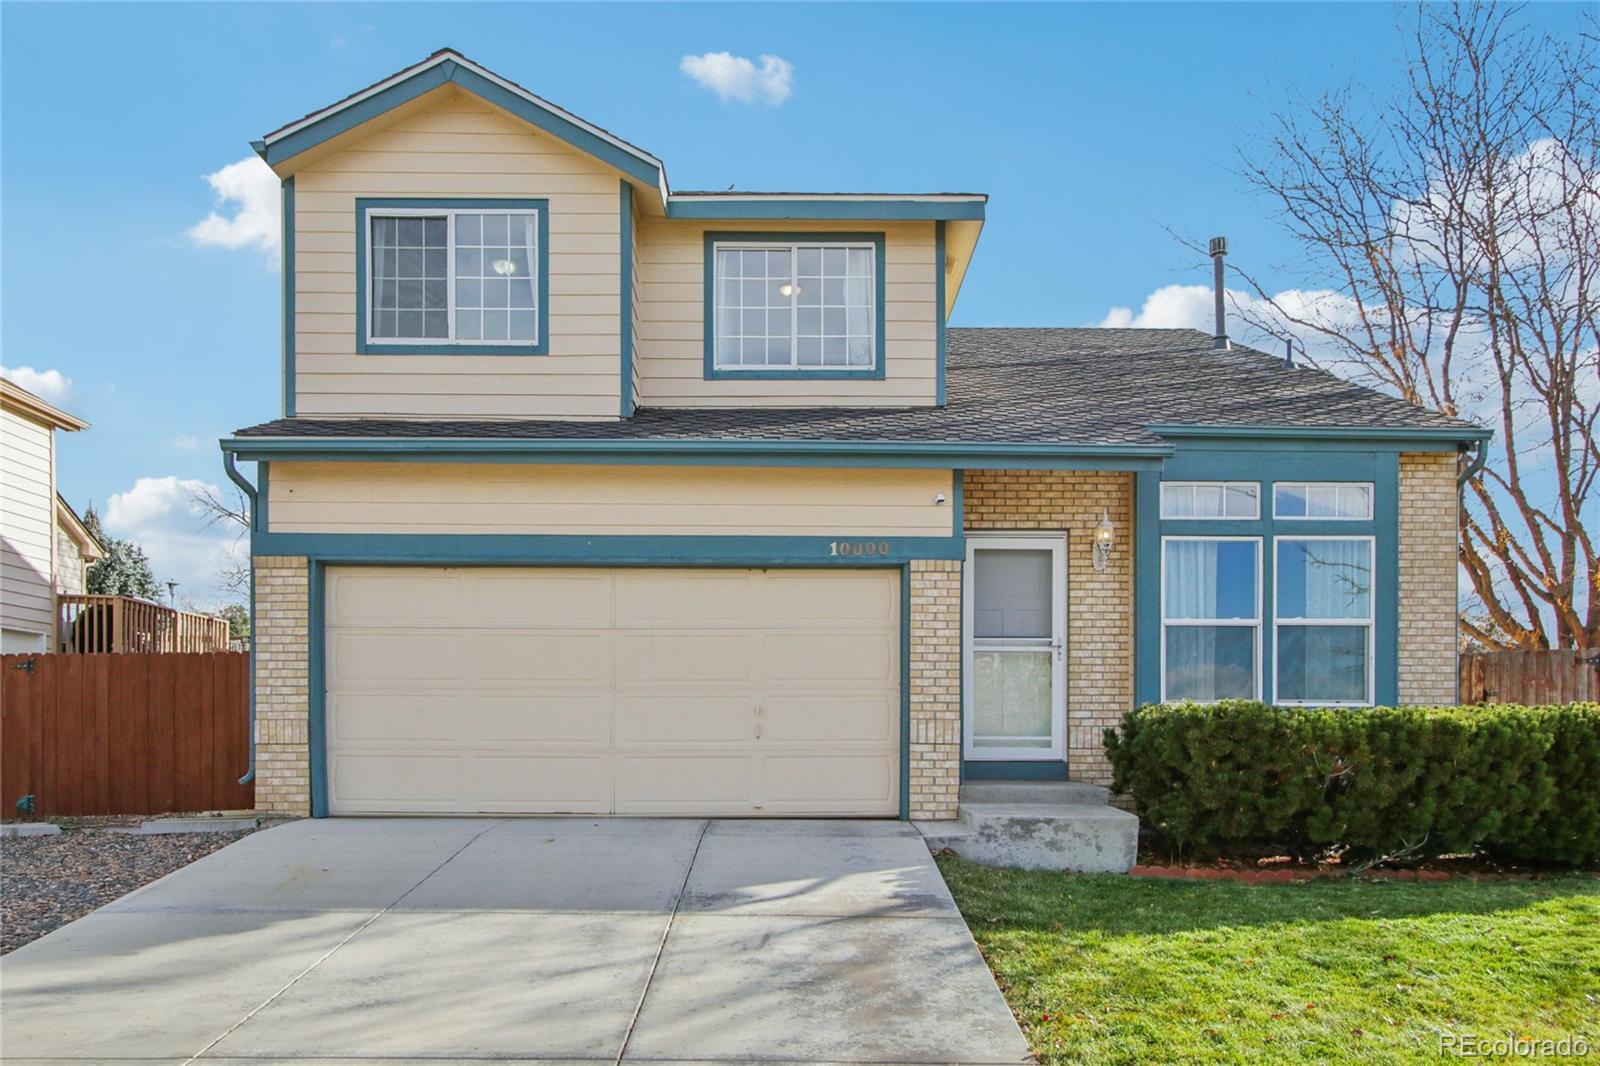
25 402
1465 434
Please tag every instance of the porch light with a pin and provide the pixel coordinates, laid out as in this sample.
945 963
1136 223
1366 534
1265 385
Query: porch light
1105 534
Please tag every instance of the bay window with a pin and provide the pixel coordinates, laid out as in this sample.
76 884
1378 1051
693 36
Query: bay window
1210 618
1323 621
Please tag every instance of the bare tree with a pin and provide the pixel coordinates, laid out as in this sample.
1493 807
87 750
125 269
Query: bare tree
1460 224
231 512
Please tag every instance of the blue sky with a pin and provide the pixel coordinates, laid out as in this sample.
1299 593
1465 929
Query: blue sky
1094 128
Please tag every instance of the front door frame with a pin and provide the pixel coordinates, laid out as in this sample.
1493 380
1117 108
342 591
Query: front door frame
1057 546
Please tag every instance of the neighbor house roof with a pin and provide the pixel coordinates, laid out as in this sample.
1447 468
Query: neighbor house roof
19 399
1111 389
89 545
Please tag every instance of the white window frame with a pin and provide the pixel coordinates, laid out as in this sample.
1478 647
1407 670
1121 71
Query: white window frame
1308 485
1371 621
1224 486
1258 624
793 248
1057 547
450 214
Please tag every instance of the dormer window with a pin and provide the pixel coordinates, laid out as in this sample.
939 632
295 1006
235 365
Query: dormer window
452 276
795 306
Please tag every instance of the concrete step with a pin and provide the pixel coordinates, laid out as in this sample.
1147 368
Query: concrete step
1082 837
941 835
1032 792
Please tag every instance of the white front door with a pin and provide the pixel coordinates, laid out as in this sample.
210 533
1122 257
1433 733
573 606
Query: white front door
1014 675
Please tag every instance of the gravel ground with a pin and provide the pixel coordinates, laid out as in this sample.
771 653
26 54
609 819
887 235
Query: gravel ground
46 882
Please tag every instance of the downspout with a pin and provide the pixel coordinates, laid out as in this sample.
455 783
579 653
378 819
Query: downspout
250 493
1479 458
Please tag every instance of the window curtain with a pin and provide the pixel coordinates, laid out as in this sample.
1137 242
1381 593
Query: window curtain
1191 579
1325 579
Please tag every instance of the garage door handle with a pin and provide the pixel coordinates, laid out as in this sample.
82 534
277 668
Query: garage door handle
758 730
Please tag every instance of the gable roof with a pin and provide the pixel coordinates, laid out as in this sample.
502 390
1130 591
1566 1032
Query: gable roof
447 66
16 398
89 545
1077 391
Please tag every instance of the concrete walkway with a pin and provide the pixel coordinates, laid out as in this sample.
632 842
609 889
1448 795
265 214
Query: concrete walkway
544 940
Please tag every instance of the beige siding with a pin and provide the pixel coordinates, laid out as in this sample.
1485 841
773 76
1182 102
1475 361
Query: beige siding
672 321
460 147
634 298
576 499
70 566
27 525
1429 515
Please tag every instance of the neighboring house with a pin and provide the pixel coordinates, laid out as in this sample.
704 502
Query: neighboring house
44 548
593 496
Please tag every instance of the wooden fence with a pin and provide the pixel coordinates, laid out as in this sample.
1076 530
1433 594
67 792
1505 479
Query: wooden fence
124 734
1531 677
124 624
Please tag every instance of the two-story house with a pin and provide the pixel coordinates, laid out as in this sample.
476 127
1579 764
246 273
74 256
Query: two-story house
590 495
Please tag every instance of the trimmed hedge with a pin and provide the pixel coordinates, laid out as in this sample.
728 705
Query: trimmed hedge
1523 782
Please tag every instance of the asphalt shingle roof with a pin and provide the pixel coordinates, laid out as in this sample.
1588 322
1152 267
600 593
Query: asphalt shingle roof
1003 385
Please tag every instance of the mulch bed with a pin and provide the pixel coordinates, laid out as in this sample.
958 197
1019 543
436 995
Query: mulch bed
1281 869
48 881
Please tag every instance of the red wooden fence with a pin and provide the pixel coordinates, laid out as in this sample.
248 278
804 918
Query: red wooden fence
124 734
1534 678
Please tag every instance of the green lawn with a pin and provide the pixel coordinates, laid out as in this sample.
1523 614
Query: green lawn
1117 969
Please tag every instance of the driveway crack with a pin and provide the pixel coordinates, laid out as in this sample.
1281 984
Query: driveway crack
357 931
661 946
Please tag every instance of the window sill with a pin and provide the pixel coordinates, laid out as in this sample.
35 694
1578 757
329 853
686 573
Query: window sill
451 349
865 373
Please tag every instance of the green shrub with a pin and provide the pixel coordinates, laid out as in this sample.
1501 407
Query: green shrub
1380 781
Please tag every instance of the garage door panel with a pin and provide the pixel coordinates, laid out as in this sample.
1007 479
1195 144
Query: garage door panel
394 597
576 659
657 599
836 718
829 781
573 599
834 657
684 720
672 783
393 655
806 597
708 658
643 691
576 719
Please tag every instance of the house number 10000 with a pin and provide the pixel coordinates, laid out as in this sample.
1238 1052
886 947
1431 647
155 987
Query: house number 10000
856 549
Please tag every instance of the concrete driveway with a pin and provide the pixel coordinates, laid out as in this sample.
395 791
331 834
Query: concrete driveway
551 940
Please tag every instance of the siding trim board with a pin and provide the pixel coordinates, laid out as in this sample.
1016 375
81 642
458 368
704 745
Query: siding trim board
365 204
874 373
288 298
941 314
625 295
824 208
560 549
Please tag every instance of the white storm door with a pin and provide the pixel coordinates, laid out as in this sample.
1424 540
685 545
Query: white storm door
1014 668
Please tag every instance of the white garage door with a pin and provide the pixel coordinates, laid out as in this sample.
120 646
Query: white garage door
733 692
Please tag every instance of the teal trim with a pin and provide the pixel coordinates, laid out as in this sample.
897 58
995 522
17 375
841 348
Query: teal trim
1267 461
1347 436
940 317
631 163
365 204
905 691
516 549
287 272
824 208
709 452
714 373
317 684
958 502
625 303
260 516
1013 770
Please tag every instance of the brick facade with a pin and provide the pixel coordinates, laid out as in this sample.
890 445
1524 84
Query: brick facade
1099 605
283 754
935 674
1429 513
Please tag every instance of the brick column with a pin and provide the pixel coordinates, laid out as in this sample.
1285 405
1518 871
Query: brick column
1099 604
935 673
283 752
1429 513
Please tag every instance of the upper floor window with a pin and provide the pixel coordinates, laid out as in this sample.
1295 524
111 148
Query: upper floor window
796 306
453 276
1211 499
1350 500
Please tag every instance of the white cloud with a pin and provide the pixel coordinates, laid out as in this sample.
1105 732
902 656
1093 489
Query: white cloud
160 515
1190 307
251 191
184 443
50 385
734 77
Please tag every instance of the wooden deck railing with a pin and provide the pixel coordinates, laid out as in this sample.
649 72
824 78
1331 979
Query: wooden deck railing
123 624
